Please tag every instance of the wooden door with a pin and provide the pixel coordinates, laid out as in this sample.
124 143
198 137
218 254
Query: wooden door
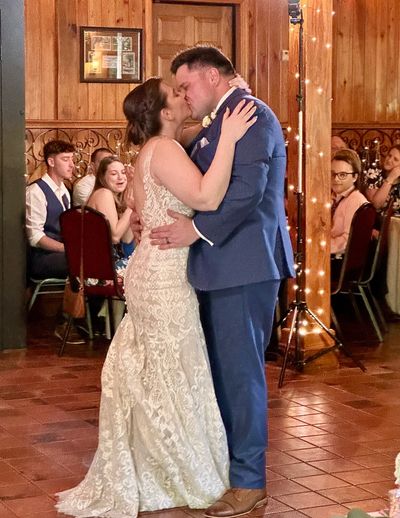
177 26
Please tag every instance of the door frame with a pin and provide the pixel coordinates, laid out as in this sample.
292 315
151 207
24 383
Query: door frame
242 23
12 180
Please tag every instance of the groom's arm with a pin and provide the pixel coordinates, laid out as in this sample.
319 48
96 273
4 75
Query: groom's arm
248 183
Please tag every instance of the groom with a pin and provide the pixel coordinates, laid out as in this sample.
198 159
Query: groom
238 256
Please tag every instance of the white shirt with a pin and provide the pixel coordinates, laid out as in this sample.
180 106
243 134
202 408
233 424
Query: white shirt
83 189
36 208
222 100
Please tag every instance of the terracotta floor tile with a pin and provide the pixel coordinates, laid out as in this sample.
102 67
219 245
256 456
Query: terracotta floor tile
273 506
50 487
346 494
326 512
18 452
9 476
13 492
313 454
39 468
358 477
288 445
335 465
289 514
300 469
317 418
379 488
326 428
374 460
317 482
304 500
5 512
373 504
279 458
34 506
284 487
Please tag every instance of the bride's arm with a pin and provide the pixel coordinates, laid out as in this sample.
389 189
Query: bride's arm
173 168
105 203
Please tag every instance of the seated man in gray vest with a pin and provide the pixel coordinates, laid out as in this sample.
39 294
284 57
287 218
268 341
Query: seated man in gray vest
46 199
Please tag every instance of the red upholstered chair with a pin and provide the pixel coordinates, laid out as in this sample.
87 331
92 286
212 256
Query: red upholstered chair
97 255
355 260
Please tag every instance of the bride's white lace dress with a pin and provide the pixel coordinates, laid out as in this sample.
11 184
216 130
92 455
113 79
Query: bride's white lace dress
162 443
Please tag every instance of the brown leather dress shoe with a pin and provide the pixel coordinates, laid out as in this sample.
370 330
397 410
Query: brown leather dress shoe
237 502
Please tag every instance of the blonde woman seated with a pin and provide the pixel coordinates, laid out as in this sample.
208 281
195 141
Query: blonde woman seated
346 198
108 197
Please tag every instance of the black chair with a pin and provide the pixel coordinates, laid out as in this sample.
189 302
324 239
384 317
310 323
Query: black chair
97 256
377 258
355 262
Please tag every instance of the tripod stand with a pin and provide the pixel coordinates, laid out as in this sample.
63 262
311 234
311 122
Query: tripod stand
298 308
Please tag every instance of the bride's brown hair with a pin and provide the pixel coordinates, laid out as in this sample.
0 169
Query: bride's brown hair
142 107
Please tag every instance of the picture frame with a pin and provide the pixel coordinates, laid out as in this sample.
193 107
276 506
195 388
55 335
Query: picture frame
111 55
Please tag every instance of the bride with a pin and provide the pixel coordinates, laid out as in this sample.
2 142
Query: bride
162 442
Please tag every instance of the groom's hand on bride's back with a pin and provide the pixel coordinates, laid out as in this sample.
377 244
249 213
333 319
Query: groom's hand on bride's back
178 234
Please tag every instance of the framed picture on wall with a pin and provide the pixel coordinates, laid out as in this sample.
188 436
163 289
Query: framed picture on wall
111 55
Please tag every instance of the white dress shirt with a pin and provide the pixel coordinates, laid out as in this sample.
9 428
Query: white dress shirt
83 189
36 208
222 100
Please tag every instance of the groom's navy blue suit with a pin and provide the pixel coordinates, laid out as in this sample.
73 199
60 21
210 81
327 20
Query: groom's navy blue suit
238 278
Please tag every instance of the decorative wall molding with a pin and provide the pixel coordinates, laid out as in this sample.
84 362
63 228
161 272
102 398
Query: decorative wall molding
85 139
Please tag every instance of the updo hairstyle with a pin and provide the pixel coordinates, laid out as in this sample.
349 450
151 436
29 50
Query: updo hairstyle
142 107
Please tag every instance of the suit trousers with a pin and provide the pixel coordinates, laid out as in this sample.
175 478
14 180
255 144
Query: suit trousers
237 324
43 264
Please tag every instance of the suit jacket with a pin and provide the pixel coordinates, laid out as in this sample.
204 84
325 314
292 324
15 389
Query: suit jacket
251 241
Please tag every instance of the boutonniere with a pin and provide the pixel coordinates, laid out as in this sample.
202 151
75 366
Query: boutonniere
207 120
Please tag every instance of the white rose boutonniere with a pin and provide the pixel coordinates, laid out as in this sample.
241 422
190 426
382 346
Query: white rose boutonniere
207 120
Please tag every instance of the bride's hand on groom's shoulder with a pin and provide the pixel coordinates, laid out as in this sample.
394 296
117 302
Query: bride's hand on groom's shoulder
178 234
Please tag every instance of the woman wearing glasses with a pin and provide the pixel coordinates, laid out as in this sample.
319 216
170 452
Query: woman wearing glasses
346 198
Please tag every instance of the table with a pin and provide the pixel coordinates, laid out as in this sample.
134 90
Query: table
393 265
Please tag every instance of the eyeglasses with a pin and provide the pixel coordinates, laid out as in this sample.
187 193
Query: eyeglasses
341 175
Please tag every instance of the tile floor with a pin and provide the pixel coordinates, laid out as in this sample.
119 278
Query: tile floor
333 435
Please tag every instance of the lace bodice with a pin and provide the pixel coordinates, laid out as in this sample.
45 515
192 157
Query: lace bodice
162 443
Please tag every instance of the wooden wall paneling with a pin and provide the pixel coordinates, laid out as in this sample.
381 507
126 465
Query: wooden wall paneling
371 37
251 73
392 72
262 12
148 38
95 90
382 62
49 36
277 69
109 97
32 61
360 67
41 59
82 16
342 54
68 60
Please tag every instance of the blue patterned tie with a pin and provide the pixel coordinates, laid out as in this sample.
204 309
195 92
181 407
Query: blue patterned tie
65 201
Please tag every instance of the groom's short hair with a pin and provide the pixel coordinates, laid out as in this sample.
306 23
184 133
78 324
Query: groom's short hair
203 56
